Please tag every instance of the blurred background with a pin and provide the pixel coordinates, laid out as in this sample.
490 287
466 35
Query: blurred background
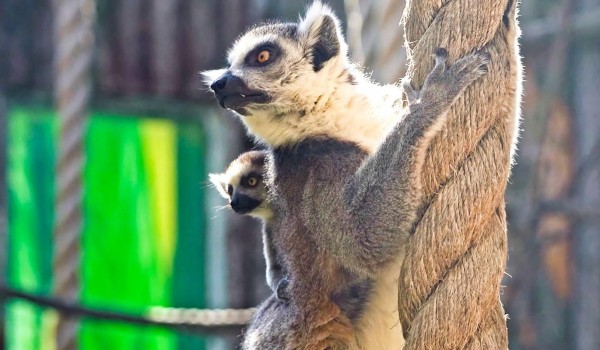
127 221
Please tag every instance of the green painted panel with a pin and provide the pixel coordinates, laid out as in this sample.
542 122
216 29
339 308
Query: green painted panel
144 221
120 265
30 217
189 266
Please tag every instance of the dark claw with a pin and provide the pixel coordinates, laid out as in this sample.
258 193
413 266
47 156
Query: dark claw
441 53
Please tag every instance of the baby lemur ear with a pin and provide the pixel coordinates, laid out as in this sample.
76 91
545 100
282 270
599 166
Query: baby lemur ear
220 183
322 32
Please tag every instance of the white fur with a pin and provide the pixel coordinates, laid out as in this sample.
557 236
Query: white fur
317 103
361 113
209 76
219 181
380 326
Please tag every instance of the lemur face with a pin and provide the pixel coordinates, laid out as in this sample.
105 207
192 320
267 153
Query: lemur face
242 184
274 65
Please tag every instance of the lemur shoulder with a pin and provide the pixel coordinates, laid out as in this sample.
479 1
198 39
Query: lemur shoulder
343 176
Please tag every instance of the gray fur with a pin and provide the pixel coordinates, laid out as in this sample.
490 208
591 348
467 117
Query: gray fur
346 215
343 180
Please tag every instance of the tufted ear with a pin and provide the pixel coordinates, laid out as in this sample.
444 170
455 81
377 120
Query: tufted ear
209 76
322 32
220 183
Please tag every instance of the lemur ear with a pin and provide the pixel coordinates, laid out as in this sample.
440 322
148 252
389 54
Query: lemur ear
209 76
323 34
218 180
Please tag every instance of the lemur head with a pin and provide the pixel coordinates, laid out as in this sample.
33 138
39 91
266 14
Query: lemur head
282 70
242 184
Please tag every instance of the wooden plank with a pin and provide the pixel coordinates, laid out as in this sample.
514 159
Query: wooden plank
587 193
164 59
3 209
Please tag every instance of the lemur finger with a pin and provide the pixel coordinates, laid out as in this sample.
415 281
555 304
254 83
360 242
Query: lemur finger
411 94
470 63
468 69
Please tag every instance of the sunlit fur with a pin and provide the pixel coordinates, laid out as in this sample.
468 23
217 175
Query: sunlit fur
344 202
337 101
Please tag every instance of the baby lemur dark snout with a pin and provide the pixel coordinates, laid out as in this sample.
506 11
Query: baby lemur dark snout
243 204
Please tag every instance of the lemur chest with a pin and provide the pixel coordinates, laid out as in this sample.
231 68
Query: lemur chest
307 181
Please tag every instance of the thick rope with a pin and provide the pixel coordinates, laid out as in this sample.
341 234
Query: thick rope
450 281
73 36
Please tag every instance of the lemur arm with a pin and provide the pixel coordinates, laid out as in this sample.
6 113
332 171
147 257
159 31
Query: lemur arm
382 197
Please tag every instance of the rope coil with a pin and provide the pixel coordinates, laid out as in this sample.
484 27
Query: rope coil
450 280
223 317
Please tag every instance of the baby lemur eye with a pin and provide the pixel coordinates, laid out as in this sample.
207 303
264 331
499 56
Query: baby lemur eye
230 190
252 181
263 57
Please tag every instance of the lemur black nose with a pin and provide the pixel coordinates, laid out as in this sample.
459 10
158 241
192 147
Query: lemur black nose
220 83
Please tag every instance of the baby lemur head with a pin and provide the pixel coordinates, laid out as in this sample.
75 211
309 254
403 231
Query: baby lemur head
242 184
279 72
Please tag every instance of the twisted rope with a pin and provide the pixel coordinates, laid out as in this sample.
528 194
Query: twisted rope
203 320
450 280
201 317
73 37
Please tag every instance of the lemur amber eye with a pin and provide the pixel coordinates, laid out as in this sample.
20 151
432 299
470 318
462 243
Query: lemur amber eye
263 57
252 181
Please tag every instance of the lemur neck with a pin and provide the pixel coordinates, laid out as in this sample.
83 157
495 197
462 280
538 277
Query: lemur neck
361 112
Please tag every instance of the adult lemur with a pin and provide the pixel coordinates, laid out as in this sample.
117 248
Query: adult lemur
343 194
243 185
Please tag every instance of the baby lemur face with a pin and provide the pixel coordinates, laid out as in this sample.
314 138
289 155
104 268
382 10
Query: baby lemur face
242 184
279 68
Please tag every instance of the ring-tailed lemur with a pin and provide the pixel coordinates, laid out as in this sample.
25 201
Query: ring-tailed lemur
243 185
343 176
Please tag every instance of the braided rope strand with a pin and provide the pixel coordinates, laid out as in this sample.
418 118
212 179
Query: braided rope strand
450 280
73 38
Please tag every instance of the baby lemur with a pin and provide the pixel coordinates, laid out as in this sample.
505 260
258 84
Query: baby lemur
343 176
243 185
